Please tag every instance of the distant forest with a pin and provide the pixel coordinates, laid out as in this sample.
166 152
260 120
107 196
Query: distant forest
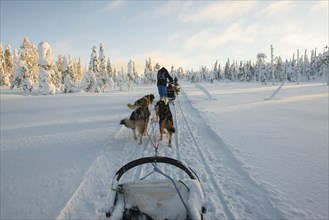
34 67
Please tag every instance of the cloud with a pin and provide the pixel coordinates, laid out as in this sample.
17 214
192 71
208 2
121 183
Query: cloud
169 8
278 7
113 5
320 5
164 10
295 41
216 11
211 38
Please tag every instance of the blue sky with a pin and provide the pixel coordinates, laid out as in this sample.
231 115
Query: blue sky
185 34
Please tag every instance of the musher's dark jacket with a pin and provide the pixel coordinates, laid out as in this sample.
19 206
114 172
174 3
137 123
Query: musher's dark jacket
167 76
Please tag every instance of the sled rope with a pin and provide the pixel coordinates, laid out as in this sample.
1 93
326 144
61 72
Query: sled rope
156 169
154 144
181 181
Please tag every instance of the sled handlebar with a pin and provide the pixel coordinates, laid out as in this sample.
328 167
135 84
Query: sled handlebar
155 159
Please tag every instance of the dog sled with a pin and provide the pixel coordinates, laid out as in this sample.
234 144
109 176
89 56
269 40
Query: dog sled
172 91
161 198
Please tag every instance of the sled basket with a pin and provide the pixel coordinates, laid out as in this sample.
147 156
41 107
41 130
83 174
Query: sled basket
160 198
171 92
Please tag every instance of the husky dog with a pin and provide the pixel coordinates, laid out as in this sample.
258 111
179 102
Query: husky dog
164 117
142 102
138 120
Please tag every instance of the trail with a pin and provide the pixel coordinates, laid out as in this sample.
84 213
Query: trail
230 193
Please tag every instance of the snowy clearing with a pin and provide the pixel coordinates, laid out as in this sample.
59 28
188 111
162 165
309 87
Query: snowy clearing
257 156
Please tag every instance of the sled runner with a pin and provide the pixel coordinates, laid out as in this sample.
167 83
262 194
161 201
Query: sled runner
160 198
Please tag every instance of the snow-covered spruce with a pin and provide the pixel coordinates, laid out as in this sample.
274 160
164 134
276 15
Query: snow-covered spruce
46 69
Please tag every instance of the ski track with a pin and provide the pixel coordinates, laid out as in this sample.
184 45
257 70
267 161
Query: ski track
230 193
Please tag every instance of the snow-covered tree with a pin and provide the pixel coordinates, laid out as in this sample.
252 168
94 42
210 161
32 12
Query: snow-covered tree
22 77
288 68
3 71
26 68
68 84
69 68
172 71
149 74
298 67
278 68
130 75
217 71
29 54
60 67
46 69
272 66
114 74
94 62
157 67
109 68
314 65
307 67
79 72
102 59
204 74
260 68
111 74
180 73
249 71
234 69
7 79
227 75
121 78
15 60
323 60
102 74
9 73
69 77
89 82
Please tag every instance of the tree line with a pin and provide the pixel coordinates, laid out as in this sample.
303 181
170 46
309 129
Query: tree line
32 67
299 68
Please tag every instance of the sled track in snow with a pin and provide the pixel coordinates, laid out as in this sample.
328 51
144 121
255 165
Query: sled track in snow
98 177
152 141
202 159
230 193
94 180
226 185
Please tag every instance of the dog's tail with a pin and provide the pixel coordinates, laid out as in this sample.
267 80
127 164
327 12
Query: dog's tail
132 106
128 123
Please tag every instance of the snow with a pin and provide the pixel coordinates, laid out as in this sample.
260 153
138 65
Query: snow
257 157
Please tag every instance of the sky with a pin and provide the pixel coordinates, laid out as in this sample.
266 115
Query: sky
187 34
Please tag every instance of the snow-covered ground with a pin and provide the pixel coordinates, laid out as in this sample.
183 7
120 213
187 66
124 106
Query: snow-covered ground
257 158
